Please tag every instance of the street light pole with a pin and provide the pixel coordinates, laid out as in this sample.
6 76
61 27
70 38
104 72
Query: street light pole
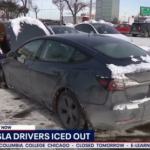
90 9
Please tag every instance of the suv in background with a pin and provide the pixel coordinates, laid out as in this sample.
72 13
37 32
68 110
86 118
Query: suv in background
142 29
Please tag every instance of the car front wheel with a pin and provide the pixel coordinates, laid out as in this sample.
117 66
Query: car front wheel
69 111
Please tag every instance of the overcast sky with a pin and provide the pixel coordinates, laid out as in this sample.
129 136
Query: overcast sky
127 7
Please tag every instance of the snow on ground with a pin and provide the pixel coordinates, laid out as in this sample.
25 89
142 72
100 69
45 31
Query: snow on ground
141 41
16 110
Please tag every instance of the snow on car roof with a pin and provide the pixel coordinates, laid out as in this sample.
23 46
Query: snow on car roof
15 23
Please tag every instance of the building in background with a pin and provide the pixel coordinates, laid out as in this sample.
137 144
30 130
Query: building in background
107 9
131 20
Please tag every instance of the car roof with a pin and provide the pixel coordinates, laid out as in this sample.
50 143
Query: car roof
90 23
80 38
58 26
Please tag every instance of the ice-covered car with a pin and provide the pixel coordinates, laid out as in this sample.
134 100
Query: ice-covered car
94 80
101 28
20 30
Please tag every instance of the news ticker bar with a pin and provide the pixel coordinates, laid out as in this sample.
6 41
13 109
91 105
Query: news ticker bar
17 127
65 145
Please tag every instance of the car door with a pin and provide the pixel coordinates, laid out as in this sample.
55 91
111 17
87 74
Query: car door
127 28
48 71
18 67
121 28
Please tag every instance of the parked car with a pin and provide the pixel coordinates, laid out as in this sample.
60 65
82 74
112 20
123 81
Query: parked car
101 28
62 29
123 28
142 29
71 74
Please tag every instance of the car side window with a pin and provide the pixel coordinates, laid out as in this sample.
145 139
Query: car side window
28 51
55 51
88 28
80 27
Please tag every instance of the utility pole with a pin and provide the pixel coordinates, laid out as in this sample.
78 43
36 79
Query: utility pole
91 3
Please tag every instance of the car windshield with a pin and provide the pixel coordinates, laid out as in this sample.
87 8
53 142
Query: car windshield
64 30
116 49
105 29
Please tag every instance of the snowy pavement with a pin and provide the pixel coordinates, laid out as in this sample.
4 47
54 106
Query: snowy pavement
141 41
16 110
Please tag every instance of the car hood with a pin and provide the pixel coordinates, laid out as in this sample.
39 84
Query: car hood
119 36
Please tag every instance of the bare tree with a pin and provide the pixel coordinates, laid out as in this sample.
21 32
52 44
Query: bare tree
60 4
36 10
26 4
75 6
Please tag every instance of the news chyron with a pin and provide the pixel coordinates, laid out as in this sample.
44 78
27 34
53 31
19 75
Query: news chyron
26 136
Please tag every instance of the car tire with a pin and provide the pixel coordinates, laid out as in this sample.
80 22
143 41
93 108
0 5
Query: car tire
69 111
2 80
146 34
134 35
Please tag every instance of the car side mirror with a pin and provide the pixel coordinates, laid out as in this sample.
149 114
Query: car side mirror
10 54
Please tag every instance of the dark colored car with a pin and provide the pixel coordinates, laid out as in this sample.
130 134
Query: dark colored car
62 29
123 28
142 29
69 74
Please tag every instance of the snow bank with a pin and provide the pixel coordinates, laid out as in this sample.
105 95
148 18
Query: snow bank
90 21
15 23
109 23
120 71
69 24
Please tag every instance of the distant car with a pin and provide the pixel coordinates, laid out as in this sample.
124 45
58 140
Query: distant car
78 76
142 29
62 29
101 28
123 28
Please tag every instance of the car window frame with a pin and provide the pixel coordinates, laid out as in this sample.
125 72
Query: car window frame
65 43
37 54
89 26
79 26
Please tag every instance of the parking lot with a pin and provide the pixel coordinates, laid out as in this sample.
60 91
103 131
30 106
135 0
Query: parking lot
141 40
17 109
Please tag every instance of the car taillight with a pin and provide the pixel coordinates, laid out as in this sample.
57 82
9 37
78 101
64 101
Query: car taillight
117 84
